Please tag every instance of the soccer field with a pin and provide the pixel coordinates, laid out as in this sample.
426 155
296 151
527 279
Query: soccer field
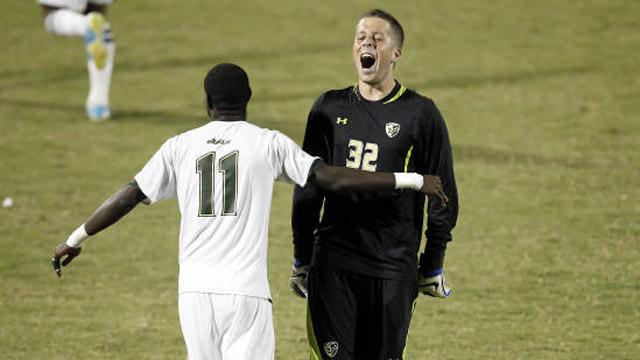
542 104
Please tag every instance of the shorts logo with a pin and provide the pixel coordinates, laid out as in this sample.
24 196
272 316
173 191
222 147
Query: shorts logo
392 129
331 348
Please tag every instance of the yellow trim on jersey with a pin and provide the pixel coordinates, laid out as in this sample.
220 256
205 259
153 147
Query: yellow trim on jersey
397 95
406 340
406 160
313 343
355 90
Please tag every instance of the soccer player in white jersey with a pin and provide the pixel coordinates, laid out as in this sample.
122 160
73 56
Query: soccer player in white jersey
222 175
87 19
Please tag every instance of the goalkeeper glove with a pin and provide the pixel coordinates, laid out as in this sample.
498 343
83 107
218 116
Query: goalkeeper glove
433 284
298 279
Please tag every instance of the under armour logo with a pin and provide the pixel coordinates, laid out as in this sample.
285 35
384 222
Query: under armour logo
331 348
341 121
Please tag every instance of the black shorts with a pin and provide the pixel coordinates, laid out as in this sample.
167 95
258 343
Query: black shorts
357 317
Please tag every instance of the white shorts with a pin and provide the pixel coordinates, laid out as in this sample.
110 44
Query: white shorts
226 327
75 5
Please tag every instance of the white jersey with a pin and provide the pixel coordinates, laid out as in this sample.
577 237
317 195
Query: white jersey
222 174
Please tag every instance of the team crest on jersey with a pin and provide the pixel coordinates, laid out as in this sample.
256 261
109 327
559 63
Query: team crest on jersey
331 348
392 129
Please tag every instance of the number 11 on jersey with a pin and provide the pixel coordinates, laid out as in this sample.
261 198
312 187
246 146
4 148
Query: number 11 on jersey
228 166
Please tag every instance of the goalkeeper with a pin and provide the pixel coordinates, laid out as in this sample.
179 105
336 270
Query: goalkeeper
361 258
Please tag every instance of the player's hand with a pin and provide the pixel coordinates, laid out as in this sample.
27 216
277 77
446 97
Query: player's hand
434 284
432 186
61 251
298 280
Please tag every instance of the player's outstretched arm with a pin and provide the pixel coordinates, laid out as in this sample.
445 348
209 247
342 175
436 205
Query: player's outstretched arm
112 210
341 179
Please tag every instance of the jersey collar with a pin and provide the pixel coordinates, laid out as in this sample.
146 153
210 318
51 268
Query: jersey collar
393 95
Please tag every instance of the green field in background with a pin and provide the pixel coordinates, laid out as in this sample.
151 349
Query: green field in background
542 100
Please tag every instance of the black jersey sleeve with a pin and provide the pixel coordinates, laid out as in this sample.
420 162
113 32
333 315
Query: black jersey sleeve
438 161
307 200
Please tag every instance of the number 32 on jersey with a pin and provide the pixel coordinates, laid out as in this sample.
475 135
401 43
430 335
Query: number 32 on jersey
362 155
228 166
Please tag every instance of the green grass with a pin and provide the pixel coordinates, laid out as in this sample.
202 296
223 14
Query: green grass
541 99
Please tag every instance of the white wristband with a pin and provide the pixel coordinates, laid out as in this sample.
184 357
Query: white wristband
408 181
77 237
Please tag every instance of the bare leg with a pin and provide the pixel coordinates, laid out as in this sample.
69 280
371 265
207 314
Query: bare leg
102 9
47 9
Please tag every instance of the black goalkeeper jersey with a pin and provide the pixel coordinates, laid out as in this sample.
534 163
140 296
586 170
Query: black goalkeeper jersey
376 234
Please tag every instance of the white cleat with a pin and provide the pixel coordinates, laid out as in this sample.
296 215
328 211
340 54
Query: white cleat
98 112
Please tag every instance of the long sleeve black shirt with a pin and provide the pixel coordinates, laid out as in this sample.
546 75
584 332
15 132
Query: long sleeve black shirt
376 234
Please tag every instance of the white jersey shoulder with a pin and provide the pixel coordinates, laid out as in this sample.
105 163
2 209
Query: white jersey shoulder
222 174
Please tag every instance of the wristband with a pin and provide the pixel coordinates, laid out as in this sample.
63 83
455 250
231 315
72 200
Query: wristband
408 181
298 263
77 237
435 272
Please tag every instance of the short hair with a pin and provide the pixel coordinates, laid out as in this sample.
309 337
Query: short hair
227 87
395 24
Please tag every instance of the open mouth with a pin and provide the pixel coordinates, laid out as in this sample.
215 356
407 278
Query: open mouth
367 61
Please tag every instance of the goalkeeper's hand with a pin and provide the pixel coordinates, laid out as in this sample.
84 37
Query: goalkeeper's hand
298 280
433 284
